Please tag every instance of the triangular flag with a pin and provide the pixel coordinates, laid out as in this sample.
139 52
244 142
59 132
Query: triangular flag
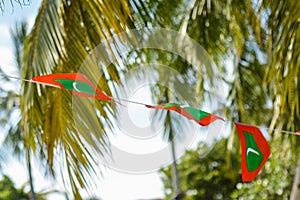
201 117
75 83
255 150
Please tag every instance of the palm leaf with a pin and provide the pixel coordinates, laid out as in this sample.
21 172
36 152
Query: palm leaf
63 36
283 69
3 3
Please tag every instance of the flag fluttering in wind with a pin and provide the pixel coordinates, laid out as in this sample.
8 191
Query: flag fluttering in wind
201 117
255 150
75 83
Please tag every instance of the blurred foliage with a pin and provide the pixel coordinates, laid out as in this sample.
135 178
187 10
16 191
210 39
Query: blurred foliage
276 177
4 4
8 191
10 118
218 175
62 37
210 177
259 40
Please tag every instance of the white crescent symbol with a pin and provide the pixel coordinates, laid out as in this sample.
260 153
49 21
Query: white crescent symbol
250 150
74 86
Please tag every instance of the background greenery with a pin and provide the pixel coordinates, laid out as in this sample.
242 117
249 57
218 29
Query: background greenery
260 40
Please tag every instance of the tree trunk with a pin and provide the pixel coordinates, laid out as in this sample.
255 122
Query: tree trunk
295 195
33 195
176 179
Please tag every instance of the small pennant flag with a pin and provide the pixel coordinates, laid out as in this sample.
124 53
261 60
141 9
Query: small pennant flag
75 83
201 117
255 150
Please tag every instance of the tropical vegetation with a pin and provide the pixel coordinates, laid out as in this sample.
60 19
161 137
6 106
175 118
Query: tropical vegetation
255 45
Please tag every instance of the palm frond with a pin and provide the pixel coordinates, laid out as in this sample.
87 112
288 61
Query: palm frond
283 43
64 35
18 34
13 3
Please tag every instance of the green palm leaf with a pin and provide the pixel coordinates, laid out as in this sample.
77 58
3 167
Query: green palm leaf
63 36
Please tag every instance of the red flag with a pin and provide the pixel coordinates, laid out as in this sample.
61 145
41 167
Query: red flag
201 117
75 83
255 150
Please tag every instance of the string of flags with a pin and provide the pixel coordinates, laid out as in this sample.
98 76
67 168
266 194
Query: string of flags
255 148
77 84
201 117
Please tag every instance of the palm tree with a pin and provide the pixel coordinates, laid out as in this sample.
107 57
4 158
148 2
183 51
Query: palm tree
12 3
11 104
64 34
66 31
264 41
255 37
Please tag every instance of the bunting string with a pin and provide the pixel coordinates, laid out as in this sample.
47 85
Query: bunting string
130 101
17 78
282 131
255 148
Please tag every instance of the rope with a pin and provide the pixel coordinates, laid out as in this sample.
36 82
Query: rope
17 78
